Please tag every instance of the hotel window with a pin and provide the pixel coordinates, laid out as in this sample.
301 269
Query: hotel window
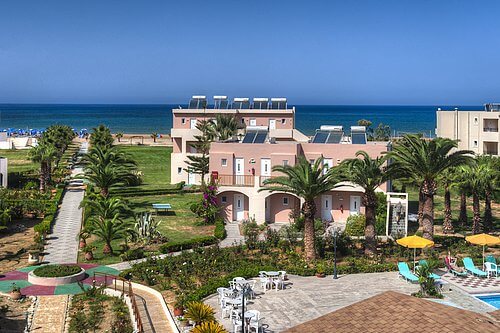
224 162
285 201
183 121
179 170
253 122
242 120
283 121
476 121
223 200
285 162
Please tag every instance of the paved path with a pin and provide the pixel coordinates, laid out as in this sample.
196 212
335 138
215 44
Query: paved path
233 235
50 314
151 311
62 243
306 298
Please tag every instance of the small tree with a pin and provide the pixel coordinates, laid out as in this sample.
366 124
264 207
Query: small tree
199 164
154 135
382 133
119 136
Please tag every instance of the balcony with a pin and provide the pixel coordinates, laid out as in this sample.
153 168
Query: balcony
236 180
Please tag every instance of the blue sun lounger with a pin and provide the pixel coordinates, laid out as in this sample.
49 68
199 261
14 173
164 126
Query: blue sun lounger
164 207
469 266
404 271
432 275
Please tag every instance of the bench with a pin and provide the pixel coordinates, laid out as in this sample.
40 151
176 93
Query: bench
164 207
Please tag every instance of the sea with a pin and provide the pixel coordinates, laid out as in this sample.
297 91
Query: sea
158 118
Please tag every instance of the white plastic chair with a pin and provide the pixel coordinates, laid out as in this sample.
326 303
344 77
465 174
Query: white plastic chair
264 280
254 321
279 282
251 284
491 269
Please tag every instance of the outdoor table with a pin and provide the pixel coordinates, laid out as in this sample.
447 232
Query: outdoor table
234 301
272 274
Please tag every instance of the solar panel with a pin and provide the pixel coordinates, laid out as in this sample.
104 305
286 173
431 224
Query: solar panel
197 103
278 105
260 105
358 138
224 104
193 104
245 105
260 137
249 137
334 137
320 137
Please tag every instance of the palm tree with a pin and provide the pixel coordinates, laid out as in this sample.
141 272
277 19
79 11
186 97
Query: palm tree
369 173
475 180
44 154
225 126
460 183
425 160
101 208
447 179
109 230
154 135
491 178
307 181
119 136
106 167
101 136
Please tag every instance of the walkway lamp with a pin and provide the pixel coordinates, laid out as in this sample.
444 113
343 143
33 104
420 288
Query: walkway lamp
335 232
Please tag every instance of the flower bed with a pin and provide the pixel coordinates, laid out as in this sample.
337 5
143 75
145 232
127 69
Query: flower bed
57 270
56 275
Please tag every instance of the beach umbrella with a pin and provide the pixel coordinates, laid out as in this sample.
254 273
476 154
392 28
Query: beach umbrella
484 240
415 242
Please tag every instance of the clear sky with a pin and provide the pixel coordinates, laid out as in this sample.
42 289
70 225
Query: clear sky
313 52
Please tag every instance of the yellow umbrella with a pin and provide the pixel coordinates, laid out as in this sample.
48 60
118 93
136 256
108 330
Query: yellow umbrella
483 239
415 242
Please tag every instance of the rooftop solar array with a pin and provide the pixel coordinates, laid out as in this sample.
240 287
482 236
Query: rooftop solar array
221 102
198 102
358 135
260 103
241 103
255 137
326 136
278 104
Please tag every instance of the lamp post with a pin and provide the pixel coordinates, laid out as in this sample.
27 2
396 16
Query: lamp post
244 289
335 233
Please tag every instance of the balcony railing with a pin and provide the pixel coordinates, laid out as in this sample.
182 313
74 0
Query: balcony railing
236 180
262 179
490 129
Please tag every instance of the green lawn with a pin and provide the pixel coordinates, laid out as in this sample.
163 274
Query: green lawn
154 163
18 160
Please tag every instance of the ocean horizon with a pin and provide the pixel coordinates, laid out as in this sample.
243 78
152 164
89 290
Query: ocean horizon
148 118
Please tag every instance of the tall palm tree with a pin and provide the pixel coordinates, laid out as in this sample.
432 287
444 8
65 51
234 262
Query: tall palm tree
44 153
106 167
447 179
460 183
101 208
225 126
476 178
307 181
101 136
369 173
109 230
490 175
425 160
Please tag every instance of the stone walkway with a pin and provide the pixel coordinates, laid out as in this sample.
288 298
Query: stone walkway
50 314
306 298
233 235
62 243
151 312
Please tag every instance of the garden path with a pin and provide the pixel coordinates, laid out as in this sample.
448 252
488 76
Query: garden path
50 314
62 244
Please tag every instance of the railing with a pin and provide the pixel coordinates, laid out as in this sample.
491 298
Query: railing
490 129
126 289
236 180
262 179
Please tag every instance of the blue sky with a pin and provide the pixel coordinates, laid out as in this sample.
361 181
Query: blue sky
313 52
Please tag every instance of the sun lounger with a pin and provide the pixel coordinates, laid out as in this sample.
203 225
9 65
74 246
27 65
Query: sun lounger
469 266
492 259
405 272
454 271
164 207
432 275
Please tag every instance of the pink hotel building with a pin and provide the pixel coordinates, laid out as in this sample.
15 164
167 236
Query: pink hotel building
268 138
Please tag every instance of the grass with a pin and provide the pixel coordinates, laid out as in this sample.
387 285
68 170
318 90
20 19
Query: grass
154 163
18 160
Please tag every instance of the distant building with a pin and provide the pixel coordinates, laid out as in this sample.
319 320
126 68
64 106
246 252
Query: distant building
268 138
474 130
3 172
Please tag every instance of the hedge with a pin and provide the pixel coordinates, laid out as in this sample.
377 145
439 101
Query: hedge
220 229
188 244
45 225
131 192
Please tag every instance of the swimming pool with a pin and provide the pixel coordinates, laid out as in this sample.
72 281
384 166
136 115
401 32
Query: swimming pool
492 299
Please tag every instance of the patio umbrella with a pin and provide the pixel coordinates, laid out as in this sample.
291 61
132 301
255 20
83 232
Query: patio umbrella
414 242
483 239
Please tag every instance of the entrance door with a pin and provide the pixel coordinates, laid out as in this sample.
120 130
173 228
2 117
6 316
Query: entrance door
193 123
191 178
355 203
239 203
326 208
239 171
272 124
265 167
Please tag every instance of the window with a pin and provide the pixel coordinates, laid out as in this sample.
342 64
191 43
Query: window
179 170
253 122
475 144
242 120
283 121
183 121
224 162
285 201
285 162
476 121
223 199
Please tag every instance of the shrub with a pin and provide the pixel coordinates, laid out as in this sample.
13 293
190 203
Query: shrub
199 312
251 232
57 270
220 229
209 327
133 254
188 244
355 225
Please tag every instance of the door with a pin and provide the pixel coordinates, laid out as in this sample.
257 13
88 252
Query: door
239 171
355 203
272 124
239 203
265 167
191 178
193 123
253 122
328 163
326 208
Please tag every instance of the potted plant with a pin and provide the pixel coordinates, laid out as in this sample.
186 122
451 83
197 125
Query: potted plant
88 250
15 292
34 255
178 308
84 235
320 270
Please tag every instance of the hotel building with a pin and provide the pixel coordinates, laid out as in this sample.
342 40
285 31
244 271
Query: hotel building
474 130
268 138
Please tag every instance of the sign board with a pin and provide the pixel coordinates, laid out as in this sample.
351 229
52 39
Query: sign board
397 215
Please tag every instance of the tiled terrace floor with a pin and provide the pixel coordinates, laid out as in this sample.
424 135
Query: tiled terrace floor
473 284
306 298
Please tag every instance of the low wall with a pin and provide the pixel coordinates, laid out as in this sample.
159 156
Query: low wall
55 281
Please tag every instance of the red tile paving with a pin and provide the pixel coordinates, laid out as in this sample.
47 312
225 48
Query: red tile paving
391 312
14 275
35 290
